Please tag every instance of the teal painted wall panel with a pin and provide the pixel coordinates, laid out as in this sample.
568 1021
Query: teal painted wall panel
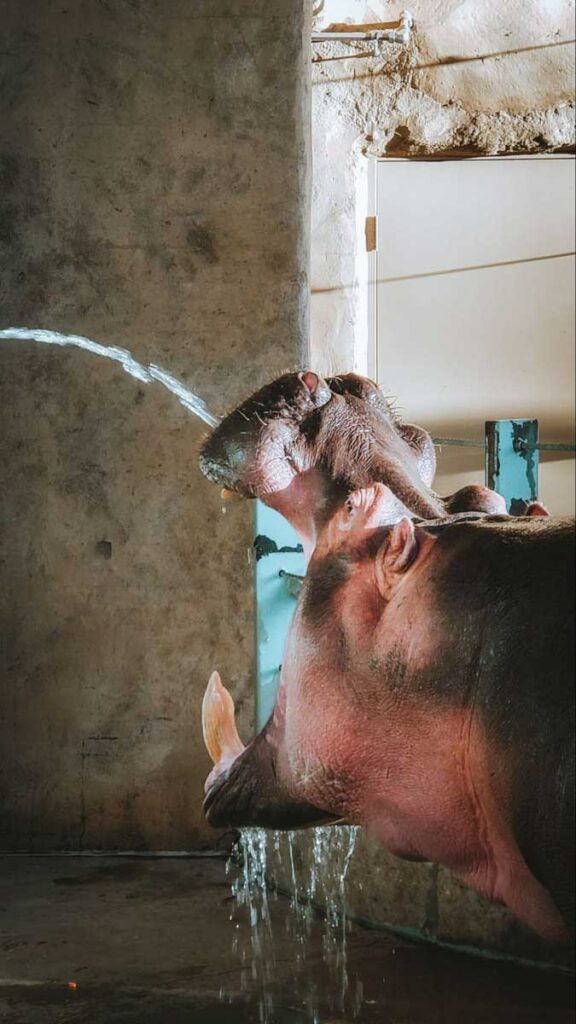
278 549
512 461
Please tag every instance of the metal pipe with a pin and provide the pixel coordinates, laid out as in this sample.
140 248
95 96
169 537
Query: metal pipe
462 442
543 447
399 35
343 37
458 442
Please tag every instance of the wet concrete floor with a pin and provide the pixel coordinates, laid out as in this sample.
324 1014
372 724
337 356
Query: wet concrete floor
149 941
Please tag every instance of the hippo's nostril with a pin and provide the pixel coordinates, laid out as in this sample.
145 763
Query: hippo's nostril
318 388
311 380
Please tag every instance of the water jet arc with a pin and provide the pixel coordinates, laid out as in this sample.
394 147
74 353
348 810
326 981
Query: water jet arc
145 374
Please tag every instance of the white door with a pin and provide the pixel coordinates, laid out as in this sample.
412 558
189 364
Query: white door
474 304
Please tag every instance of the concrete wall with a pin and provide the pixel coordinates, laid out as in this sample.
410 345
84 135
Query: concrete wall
154 196
417 900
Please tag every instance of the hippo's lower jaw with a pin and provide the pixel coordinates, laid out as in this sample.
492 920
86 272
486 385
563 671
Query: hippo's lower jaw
249 794
245 787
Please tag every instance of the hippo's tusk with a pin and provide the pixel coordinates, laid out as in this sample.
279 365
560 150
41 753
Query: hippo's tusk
227 495
218 724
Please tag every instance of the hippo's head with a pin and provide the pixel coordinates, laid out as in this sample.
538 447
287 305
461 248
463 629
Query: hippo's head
376 720
347 641
316 450
302 444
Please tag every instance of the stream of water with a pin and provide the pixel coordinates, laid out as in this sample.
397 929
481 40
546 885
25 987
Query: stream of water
145 374
311 869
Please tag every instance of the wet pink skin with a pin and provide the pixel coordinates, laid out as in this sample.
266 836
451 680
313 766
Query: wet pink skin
416 777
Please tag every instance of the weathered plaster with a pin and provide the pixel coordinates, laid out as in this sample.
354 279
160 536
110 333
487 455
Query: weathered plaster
154 196
476 79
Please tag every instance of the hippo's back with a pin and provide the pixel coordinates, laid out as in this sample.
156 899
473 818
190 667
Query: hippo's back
514 581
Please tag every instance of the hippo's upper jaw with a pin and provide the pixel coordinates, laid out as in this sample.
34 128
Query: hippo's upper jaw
257 449
302 444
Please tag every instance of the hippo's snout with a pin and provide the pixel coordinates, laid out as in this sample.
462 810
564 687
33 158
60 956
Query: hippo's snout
231 801
250 794
226 455
249 451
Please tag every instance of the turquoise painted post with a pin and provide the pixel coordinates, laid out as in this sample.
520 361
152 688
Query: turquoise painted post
278 550
512 461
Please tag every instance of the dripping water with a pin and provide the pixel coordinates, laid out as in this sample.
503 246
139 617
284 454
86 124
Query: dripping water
312 869
145 374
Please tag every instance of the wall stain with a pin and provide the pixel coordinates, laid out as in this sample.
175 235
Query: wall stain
201 241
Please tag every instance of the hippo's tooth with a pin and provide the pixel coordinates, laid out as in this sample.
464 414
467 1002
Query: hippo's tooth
218 725
228 495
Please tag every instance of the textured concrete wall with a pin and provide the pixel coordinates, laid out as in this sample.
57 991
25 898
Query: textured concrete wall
154 195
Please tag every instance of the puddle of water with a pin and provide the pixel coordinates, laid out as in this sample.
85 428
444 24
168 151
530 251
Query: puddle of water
314 871
145 374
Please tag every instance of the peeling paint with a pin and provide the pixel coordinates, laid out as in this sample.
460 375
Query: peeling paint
264 546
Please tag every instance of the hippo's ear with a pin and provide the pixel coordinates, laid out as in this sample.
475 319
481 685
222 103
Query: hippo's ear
476 498
536 508
395 557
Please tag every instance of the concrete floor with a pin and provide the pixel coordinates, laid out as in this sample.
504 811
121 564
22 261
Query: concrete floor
150 942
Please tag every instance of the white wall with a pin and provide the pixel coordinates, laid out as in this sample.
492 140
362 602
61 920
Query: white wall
475 301
478 77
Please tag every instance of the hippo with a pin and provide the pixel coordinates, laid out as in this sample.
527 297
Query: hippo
427 685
